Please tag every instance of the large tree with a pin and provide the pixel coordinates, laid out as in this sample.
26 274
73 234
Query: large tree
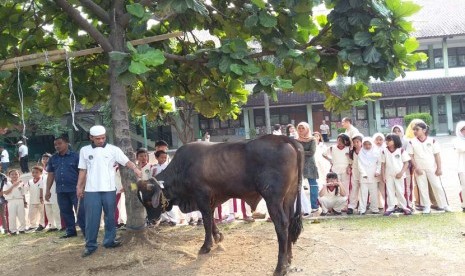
278 45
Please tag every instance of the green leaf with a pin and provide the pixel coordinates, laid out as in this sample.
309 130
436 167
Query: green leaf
151 58
236 68
225 62
115 55
251 21
355 57
136 9
302 85
371 55
411 44
259 3
303 6
5 74
266 81
138 68
284 84
321 19
131 48
251 69
267 20
362 38
294 53
127 78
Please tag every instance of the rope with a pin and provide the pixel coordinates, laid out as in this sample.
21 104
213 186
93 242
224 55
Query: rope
21 97
72 96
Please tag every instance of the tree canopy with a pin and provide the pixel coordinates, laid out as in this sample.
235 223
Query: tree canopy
277 45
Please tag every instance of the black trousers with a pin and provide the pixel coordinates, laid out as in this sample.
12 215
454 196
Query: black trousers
24 163
325 137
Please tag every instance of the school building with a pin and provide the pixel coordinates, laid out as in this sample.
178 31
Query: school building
437 87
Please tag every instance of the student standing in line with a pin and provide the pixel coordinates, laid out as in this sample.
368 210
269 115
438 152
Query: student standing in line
369 168
426 159
36 200
459 145
394 164
14 194
354 192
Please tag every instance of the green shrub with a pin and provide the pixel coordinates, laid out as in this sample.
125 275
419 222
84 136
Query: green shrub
426 117
341 130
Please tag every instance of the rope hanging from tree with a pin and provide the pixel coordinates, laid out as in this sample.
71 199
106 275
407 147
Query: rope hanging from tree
72 96
21 98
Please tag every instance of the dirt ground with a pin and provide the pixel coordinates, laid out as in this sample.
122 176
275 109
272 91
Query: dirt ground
429 245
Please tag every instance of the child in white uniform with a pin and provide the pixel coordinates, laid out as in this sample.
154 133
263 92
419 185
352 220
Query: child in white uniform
354 192
378 145
332 195
394 164
36 199
52 210
14 194
338 156
459 145
426 159
369 168
170 217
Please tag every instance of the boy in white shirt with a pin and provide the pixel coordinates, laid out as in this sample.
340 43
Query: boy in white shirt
14 194
36 200
170 217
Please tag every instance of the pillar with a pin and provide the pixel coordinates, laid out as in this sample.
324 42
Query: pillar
378 116
245 111
434 112
309 115
450 120
371 119
445 56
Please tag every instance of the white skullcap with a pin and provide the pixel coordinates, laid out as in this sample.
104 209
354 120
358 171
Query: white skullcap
97 130
20 142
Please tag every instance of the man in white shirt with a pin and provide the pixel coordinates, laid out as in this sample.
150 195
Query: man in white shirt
96 183
324 130
350 129
23 152
5 159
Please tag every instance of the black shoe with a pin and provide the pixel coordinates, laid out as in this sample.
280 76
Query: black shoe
40 228
350 211
323 214
66 236
51 230
116 243
336 213
21 232
200 222
87 253
463 210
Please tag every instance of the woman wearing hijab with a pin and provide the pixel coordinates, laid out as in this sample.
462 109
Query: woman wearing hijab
310 170
459 145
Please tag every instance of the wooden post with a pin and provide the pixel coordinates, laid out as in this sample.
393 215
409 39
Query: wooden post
34 59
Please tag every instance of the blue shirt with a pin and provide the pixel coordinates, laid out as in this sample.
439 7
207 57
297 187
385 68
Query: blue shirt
65 169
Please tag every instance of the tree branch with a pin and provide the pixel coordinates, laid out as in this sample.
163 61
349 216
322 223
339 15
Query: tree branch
314 39
84 24
96 10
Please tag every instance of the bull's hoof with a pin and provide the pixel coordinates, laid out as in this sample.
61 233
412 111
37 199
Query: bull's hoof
204 249
218 237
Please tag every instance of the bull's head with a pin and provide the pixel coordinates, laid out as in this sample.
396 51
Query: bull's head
152 193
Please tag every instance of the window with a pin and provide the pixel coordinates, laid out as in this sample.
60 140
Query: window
361 114
401 111
390 112
438 60
452 53
259 121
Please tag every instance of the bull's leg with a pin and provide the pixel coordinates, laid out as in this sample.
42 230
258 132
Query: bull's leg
289 210
281 225
217 235
207 216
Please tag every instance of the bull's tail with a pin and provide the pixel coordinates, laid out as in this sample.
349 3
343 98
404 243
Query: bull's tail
296 226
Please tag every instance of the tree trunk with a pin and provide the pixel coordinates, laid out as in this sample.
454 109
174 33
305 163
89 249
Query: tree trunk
120 120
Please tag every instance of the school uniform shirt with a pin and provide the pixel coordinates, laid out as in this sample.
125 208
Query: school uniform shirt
16 193
99 163
459 146
159 168
331 192
146 171
423 152
5 156
394 161
340 158
34 188
368 165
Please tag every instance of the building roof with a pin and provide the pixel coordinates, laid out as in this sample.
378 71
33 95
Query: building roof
439 18
394 89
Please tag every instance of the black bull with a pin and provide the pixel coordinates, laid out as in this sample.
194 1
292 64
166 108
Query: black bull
203 175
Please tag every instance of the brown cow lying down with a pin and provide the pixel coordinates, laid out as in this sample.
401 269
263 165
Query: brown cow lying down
203 175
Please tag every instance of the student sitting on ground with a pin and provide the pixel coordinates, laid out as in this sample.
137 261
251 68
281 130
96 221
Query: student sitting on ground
332 195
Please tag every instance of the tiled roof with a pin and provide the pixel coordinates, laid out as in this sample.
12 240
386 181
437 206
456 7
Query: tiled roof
407 88
439 18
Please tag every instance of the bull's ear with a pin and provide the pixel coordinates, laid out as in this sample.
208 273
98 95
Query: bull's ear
156 196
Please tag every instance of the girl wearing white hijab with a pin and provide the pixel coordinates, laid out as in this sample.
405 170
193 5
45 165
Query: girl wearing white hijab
399 131
459 145
369 167
378 145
